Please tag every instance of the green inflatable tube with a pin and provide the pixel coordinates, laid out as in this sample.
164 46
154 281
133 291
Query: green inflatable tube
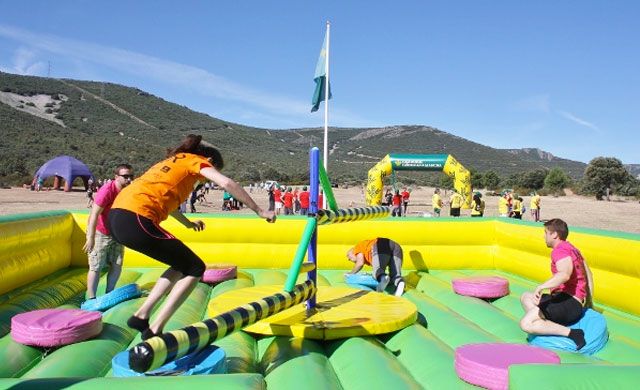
426 358
573 376
294 363
365 363
231 381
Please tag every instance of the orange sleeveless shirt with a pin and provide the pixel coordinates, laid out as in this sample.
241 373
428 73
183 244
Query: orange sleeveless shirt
365 247
162 188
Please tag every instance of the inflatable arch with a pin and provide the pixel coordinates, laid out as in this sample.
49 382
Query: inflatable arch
418 162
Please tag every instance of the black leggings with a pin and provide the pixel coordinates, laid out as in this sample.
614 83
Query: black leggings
143 235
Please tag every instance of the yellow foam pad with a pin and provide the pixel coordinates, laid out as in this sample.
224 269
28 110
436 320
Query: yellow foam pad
341 312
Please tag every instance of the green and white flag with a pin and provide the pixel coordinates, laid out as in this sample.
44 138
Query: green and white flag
320 78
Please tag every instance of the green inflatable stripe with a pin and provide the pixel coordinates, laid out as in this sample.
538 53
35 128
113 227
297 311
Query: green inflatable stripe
229 285
241 351
269 277
231 381
573 376
16 358
483 314
453 329
365 363
428 359
294 363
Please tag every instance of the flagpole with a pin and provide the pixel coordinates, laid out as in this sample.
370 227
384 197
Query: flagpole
326 103
326 111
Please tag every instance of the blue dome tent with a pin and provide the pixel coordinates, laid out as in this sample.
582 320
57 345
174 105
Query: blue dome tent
64 167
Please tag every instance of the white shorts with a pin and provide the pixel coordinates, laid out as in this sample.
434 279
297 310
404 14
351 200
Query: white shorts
278 205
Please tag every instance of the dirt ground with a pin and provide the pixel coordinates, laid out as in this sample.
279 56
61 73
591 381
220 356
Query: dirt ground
618 214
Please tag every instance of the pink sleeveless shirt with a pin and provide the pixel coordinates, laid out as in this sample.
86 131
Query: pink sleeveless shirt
577 285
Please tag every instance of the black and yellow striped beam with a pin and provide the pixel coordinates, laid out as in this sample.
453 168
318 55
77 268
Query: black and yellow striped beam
167 347
326 217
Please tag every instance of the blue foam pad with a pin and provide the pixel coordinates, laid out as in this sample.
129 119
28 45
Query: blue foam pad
112 298
211 360
361 280
596 335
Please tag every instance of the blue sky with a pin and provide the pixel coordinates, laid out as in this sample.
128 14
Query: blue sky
558 75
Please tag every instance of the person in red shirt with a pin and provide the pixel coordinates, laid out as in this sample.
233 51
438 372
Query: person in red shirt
396 211
320 200
287 200
405 200
296 201
304 201
277 195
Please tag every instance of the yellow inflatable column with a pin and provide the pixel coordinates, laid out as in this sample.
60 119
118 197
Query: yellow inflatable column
374 182
462 179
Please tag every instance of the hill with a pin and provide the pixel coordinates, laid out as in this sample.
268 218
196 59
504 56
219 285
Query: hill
104 124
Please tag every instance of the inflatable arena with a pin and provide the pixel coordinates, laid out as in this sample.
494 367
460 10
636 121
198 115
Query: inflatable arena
355 338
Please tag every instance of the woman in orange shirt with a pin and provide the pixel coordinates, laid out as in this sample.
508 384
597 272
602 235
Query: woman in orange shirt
139 208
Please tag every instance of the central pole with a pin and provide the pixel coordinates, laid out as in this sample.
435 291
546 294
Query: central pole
326 105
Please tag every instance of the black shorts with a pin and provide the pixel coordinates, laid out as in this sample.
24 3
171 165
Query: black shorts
455 212
560 308
145 236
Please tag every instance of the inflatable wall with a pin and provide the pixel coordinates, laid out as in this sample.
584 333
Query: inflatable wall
42 266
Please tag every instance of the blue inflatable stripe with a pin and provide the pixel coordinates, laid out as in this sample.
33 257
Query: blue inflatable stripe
361 279
210 360
112 298
596 335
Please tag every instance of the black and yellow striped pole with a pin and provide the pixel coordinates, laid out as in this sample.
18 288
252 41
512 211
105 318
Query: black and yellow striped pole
167 347
326 217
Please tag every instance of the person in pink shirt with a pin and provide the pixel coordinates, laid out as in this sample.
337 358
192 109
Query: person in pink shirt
571 289
100 246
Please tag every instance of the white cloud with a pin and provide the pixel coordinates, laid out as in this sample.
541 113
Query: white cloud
579 121
536 103
198 80
24 62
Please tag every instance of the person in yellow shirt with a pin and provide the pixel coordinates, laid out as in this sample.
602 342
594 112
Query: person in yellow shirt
517 207
535 206
134 221
503 205
436 202
477 205
456 203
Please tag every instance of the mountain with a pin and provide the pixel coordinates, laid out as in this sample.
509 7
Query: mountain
104 124
634 170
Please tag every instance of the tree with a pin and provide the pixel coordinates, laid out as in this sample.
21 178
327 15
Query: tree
476 178
534 180
556 181
491 180
446 182
602 174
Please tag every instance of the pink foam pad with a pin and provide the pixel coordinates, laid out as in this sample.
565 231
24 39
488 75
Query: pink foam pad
487 365
481 286
55 327
219 273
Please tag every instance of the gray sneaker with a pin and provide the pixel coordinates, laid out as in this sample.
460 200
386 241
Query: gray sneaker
384 281
399 289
